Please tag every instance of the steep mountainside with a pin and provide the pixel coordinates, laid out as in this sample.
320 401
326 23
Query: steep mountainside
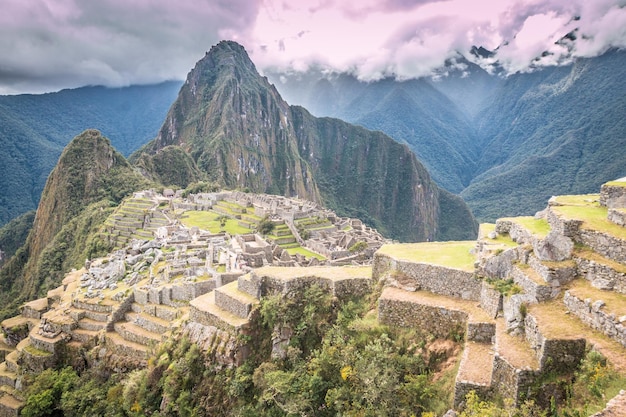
241 133
35 128
506 144
88 180
560 130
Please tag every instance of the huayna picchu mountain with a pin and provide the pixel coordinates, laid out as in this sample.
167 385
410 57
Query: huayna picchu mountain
240 133
89 180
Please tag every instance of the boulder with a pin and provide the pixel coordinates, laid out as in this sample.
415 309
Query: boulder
554 247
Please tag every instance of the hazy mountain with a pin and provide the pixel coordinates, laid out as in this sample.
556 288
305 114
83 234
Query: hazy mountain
240 133
34 129
505 144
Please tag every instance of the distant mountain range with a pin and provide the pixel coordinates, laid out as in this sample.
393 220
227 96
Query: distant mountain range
505 144
34 129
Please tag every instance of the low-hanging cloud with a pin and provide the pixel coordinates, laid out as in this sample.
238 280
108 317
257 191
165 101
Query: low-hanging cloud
51 44
409 39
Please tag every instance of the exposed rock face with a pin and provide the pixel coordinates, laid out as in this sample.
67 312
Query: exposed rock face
240 133
555 247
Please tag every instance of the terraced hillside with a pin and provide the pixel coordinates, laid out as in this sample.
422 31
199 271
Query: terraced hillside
530 298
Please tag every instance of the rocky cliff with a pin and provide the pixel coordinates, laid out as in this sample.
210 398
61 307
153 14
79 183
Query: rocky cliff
240 133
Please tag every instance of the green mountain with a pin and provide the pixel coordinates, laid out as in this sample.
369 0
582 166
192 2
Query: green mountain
89 179
34 129
240 133
505 144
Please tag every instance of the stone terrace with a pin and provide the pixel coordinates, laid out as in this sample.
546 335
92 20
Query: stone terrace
549 285
528 297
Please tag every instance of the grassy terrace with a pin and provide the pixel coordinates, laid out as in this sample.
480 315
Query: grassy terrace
590 212
454 255
587 253
503 241
555 323
329 272
538 227
305 252
207 220
614 302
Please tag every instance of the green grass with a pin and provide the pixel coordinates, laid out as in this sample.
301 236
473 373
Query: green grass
577 200
206 220
593 217
616 183
305 252
455 254
538 227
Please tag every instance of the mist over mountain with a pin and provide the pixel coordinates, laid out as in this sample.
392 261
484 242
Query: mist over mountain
505 144
34 129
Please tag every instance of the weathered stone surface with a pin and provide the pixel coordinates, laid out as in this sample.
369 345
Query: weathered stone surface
438 321
554 247
412 276
595 317
613 196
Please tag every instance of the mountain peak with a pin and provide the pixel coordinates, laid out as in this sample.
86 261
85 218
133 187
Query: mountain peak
240 133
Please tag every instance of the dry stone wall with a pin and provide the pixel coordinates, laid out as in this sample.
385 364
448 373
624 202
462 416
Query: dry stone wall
605 244
555 355
613 196
593 316
596 272
420 276
437 321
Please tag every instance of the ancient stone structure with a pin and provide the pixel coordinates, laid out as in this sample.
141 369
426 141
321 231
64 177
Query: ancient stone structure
536 293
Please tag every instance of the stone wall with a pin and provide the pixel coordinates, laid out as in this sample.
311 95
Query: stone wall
555 355
481 332
514 312
617 216
490 299
569 228
510 382
556 273
594 271
606 245
413 276
462 388
437 321
517 233
613 196
593 316
499 266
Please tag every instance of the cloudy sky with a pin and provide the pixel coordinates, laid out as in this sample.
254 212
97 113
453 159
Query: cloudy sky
47 45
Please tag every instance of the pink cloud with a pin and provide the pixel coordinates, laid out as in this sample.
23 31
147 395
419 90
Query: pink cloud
52 44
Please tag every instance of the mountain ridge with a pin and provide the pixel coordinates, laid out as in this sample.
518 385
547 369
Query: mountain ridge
513 130
241 133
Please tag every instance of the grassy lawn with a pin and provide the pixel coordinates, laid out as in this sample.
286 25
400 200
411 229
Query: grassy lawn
207 220
305 252
503 241
449 254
